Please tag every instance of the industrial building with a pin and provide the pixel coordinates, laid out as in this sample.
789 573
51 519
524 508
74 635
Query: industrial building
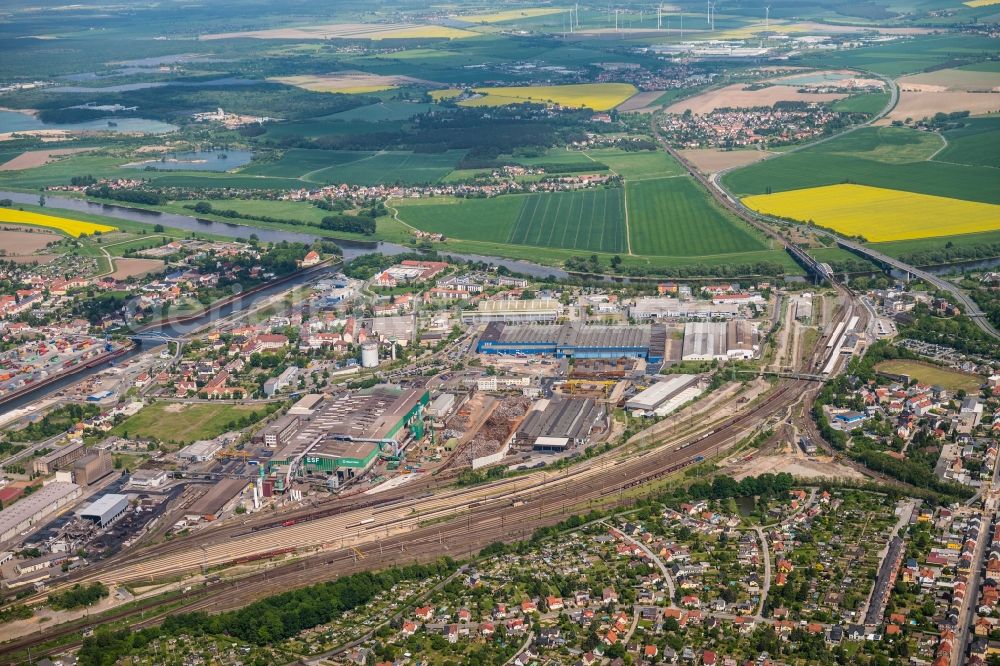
199 451
803 307
105 509
529 311
557 424
400 329
665 396
672 308
148 478
741 339
306 405
35 507
442 406
720 341
211 505
279 432
92 467
704 341
39 563
346 435
579 341
58 459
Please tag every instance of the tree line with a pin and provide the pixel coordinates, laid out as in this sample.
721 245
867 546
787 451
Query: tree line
269 620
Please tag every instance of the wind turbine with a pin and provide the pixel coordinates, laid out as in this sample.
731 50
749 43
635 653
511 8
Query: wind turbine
767 16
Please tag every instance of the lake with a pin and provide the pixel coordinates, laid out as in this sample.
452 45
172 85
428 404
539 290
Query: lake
145 85
206 160
14 121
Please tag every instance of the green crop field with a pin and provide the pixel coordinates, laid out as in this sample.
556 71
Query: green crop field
674 217
870 103
928 251
586 220
890 157
296 162
328 167
986 66
903 56
976 144
488 220
639 165
391 110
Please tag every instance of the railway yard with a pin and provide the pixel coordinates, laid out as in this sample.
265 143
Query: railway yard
227 563
411 436
508 419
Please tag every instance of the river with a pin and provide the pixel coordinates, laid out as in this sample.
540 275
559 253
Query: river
351 249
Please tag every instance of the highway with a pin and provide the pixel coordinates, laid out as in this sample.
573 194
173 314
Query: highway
726 198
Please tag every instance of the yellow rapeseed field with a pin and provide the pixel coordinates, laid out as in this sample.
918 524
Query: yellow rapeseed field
878 214
74 228
981 3
510 15
597 96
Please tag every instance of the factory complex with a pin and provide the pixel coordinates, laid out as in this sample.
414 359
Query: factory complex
343 436
575 340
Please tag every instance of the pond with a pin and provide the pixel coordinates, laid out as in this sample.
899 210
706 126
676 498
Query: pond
746 505
205 160
15 121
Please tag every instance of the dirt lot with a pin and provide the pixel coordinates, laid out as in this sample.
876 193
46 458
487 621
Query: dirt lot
735 95
347 82
951 79
37 158
840 77
712 160
807 468
918 105
126 268
641 101
16 241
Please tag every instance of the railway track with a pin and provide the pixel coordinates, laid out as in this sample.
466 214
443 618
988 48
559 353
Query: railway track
544 503
399 527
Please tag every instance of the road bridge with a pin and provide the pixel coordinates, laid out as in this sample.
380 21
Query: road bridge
157 337
969 307
760 221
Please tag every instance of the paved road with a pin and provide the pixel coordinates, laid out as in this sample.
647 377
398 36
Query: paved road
765 553
668 579
963 634
727 199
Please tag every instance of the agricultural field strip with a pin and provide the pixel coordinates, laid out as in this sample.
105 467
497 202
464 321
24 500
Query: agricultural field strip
879 214
306 176
536 217
71 227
